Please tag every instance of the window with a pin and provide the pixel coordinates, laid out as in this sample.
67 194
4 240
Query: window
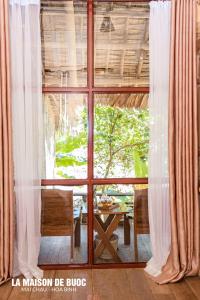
64 43
121 44
121 134
95 103
66 135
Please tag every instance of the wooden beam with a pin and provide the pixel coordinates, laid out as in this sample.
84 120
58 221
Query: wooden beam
52 11
108 79
99 45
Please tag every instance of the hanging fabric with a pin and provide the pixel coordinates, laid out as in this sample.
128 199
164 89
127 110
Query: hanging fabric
27 131
184 257
6 159
158 188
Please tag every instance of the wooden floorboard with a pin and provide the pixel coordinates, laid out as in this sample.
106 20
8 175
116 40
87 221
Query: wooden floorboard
56 250
159 292
194 285
138 284
18 294
109 284
43 295
5 291
182 291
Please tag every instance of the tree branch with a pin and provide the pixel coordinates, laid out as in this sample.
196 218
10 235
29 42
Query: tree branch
128 145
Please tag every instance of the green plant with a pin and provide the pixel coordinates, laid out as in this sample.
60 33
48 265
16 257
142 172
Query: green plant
120 143
120 139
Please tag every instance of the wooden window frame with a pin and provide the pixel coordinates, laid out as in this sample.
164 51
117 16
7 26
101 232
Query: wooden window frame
90 181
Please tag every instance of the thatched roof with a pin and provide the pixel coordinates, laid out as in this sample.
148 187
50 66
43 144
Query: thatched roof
123 100
64 108
120 54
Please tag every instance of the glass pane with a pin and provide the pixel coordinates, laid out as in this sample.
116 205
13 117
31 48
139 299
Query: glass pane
64 43
121 135
65 135
64 218
121 224
121 52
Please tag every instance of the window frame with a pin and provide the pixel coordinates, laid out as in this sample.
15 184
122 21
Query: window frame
91 181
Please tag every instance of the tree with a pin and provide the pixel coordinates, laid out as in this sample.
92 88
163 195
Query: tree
120 143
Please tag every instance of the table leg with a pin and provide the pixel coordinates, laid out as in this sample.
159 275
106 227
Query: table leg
126 230
105 224
77 232
105 237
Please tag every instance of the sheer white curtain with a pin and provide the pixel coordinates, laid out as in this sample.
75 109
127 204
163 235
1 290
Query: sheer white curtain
27 113
158 191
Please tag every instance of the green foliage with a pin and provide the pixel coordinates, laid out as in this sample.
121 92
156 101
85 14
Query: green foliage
64 152
63 175
140 164
70 143
120 141
67 161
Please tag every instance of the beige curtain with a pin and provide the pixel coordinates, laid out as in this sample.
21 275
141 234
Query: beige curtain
6 169
183 146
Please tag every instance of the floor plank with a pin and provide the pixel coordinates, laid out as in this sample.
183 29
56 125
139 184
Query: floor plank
83 293
138 284
111 284
159 292
63 295
182 291
43 295
194 284
56 250
19 294
5 290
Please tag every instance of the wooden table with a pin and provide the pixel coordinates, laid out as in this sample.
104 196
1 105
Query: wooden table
106 229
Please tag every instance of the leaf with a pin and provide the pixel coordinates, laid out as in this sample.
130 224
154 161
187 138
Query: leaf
140 166
63 175
67 161
71 143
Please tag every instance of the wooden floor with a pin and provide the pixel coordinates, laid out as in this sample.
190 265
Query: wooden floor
110 284
56 250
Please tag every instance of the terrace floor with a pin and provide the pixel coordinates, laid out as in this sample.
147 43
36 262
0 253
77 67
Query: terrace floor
56 250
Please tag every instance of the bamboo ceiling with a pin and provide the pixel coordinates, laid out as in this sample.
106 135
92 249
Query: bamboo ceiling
121 55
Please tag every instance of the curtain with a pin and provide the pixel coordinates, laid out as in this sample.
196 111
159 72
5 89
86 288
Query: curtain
198 78
183 146
27 125
158 188
6 162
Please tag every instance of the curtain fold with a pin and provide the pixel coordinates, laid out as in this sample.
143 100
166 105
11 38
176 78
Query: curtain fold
158 188
27 131
183 146
6 162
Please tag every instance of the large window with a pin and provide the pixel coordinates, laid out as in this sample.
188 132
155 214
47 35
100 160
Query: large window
66 135
95 103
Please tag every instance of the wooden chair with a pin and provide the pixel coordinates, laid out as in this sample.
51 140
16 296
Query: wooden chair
141 217
57 215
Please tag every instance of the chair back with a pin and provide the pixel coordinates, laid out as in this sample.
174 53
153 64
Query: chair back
141 216
57 213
